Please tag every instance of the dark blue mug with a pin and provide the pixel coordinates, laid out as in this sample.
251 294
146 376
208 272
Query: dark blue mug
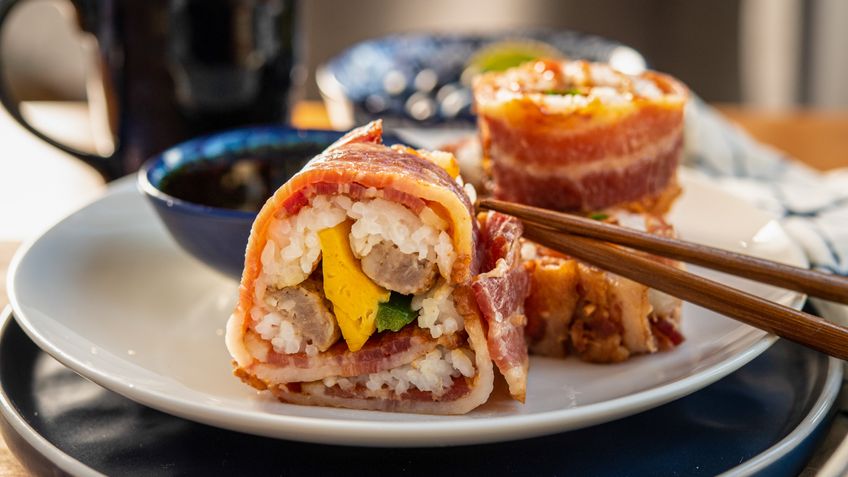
174 69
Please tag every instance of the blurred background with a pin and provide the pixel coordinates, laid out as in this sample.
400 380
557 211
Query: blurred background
778 67
764 53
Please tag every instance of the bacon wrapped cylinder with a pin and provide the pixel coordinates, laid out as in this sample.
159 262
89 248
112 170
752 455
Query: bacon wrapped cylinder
363 287
578 136
582 137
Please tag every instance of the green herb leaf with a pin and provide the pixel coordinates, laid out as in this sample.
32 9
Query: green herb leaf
598 216
564 92
395 313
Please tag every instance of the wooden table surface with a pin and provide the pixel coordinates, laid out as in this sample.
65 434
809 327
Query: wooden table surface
819 139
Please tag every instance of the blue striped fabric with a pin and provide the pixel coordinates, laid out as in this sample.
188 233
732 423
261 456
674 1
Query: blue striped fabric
811 205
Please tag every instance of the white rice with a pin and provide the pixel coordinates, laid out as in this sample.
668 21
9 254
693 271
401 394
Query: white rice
379 220
293 249
576 74
434 373
529 251
632 221
471 192
436 310
283 336
646 88
602 84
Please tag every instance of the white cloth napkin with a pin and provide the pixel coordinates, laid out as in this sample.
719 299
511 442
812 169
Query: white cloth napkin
812 206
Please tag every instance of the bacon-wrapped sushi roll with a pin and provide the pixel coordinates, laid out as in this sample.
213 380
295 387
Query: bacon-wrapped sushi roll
360 287
578 136
599 316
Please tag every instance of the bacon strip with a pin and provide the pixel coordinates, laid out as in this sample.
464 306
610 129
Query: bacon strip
667 331
382 352
355 191
500 293
551 304
462 397
637 177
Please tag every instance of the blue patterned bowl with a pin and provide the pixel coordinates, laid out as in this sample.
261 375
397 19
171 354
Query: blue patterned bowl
412 80
212 230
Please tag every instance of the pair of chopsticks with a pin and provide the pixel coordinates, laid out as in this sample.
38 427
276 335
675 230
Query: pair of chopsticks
591 241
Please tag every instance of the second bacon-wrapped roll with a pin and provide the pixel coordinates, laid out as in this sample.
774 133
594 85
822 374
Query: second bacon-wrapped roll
362 287
584 138
579 136
601 317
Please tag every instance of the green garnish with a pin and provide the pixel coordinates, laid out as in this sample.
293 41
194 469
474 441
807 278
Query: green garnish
503 55
395 313
507 54
564 92
598 216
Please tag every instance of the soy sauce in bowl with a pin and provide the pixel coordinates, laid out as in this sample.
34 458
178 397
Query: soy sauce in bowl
207 191
242 183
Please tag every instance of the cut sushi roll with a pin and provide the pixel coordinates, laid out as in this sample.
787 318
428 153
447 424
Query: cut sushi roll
362 287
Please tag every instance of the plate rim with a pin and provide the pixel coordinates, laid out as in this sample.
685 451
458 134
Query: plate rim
16 421
809 423
812 420
331 430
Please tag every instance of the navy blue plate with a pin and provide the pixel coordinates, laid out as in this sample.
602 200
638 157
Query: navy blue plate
415 79
765 418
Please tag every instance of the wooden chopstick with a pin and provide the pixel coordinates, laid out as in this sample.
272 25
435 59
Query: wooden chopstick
822 285
808 330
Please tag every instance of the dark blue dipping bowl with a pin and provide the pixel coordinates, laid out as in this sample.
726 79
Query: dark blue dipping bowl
208 190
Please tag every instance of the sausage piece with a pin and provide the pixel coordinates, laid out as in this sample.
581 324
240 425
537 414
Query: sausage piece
305 307
397 271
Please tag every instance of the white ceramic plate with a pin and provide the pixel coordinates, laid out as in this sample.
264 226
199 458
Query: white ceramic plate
108 293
